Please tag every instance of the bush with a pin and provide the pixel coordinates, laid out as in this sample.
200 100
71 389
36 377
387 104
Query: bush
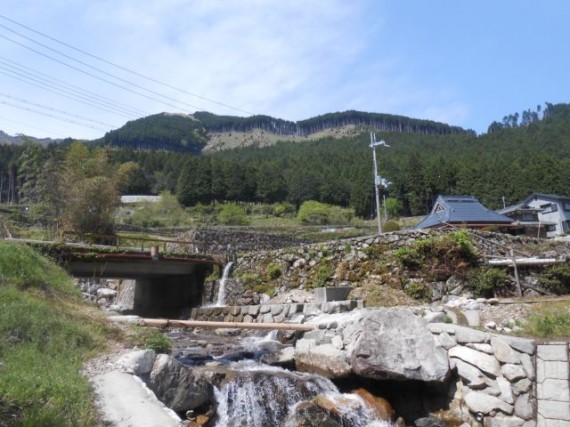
390 226
485 281
556 278
232 214
441 256
418 290
273 271
284 210
159 343
409 257
324 272
316 213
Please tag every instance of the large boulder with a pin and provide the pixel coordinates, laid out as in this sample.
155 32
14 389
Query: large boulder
393 343
323 359
177 386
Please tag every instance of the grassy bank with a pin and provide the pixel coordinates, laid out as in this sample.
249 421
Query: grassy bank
46 332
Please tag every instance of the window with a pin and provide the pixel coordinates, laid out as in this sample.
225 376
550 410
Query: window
549 207
550 228
566 206
527 216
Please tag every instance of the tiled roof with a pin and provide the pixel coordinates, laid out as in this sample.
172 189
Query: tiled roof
461 210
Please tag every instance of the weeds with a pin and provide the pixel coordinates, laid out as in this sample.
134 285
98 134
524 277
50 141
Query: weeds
485 282
45 335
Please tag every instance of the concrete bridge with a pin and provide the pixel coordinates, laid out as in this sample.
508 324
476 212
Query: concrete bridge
165 283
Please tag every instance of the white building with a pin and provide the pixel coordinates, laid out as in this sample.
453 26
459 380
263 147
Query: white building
553 209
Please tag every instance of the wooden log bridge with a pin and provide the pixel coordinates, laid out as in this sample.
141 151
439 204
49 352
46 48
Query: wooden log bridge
164 323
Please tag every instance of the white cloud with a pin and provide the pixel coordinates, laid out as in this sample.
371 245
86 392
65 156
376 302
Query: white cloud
291 59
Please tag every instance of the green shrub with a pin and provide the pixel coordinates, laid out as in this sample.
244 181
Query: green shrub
152 339
159 343
374 251
484 281
441 256
390 226
463 241
273 271
409 257
316 213
418 290
324 272
233 214
167 212
556 278
284 210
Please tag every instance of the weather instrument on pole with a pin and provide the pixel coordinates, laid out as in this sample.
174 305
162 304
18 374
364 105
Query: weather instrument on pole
377 179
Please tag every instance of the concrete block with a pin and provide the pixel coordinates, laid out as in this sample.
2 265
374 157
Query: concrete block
328 293
555 352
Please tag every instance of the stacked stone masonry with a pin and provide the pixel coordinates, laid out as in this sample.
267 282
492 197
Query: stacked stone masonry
501 380
272 313
553 392
497 374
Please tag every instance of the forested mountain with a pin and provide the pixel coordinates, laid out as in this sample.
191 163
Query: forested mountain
170 132
6 139
511 161
185 133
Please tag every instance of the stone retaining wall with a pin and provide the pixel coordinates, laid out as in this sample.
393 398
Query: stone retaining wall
497 374
272 313
501 380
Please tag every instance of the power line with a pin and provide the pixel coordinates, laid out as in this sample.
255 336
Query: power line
20 107
29 125
124 68
88 73
50 84
23 101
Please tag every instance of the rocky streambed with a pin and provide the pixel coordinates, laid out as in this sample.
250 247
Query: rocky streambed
368 367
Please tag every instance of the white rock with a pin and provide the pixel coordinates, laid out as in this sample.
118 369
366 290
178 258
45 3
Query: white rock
485 348
484 403
472 376
524 407
522 386
503 351
484 362
140 362
506 391
106 293
490 325
513 372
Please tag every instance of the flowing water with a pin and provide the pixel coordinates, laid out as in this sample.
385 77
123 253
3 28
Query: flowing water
254 394
257 395
222 289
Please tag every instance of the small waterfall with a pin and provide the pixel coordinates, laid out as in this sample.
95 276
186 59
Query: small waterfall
222 290
256 395
126 297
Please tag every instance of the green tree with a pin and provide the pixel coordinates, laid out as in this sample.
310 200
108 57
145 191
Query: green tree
131 179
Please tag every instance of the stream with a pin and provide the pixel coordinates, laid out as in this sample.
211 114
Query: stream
256 394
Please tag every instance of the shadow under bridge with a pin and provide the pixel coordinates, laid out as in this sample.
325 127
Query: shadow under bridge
165 285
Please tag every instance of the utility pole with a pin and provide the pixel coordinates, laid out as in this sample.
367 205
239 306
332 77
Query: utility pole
377 179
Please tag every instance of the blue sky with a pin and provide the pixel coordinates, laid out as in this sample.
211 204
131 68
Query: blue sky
466 63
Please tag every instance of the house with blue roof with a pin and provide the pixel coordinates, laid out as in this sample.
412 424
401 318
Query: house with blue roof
462 211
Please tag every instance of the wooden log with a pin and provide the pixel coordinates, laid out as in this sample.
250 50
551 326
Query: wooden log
163 323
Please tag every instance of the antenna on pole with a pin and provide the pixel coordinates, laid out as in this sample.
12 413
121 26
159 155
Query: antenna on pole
377 179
